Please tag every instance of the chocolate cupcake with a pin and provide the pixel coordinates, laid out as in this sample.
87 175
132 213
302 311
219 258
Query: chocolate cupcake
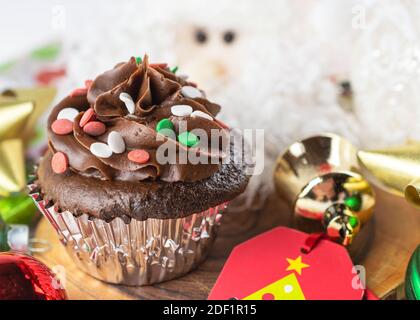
133 180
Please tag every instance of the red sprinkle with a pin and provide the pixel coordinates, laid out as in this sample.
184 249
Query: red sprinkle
62 127
88 83
81 91
94 128
78 92
89 115
159 65
59 163
140 156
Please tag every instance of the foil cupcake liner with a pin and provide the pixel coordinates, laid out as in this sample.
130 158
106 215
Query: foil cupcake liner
136 253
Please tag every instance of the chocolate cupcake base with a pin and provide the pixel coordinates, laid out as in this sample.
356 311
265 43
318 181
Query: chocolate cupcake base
136 253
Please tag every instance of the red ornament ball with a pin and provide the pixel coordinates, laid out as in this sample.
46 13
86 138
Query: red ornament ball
22 277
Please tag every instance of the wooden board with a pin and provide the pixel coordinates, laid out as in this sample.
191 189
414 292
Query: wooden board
396 235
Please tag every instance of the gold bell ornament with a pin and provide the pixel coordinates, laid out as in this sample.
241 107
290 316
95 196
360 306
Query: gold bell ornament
320 179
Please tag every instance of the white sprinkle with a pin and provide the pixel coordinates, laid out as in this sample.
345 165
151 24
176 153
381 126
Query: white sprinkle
288 288
181 110
68 113
116 142
100 150
128 100
201 114
191 92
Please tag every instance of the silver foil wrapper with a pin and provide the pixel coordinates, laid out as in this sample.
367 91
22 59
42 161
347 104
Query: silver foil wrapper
137 253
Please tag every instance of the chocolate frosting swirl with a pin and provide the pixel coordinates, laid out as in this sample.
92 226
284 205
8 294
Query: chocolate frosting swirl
154 90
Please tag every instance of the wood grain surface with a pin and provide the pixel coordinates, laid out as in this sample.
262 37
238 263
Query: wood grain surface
395 236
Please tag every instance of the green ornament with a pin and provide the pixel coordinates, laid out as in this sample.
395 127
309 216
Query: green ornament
17 209
174 69
49 52
138 60
188 139
353 221
354 202
412 277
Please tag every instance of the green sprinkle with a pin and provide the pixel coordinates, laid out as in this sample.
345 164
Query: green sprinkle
166 128
353 221
188 139
165 123
174 69
46 53
138 60
168 133
354 202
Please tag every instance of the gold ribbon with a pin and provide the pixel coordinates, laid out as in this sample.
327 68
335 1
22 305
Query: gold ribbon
19 112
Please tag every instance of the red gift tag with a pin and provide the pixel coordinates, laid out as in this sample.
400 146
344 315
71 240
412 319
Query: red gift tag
286 264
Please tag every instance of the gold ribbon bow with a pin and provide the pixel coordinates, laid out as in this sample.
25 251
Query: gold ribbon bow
396 169
19 112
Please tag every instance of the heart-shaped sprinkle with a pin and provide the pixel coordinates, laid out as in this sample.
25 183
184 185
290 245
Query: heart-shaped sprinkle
191 92
139 156
68 113
116 142
128 100
100 150
89 115
62 127
94 128
59 163
201 114
188 139
181 110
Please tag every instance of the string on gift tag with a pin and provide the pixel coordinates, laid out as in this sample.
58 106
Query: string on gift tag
312 241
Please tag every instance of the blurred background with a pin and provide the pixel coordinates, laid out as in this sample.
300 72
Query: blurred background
291 67
294 68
